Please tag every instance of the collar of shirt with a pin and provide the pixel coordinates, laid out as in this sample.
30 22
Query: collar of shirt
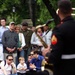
3 27
67 18
39 57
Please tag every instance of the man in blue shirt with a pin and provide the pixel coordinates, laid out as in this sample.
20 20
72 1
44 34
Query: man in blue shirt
2 29
36 62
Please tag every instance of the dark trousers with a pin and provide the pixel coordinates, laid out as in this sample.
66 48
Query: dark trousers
37 73
21 73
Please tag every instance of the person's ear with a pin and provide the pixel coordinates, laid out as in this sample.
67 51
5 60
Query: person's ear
57 11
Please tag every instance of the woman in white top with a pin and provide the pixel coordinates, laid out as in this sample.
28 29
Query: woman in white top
21 43
35 41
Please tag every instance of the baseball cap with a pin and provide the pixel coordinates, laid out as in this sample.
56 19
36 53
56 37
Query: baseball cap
24 24
12 23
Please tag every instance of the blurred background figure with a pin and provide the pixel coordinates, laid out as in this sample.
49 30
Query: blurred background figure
21 67
47 35
10 41
2 29
35 41
27 35
21 43
8 67
28 62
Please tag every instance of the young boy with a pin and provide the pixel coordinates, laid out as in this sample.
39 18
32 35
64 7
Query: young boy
21 67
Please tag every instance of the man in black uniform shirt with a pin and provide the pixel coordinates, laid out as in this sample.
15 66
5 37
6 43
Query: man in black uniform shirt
62 55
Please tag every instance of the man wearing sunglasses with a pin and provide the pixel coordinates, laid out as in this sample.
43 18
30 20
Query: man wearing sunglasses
8 65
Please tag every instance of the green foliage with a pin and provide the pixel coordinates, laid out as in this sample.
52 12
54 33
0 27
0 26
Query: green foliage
22 10
44 15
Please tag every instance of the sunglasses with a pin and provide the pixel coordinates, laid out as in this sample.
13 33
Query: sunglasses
10 59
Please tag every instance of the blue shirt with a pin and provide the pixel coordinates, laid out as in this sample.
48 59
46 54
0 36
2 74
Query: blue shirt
37 62
2 29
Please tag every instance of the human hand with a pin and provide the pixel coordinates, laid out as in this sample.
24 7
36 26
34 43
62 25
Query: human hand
24 69
9 49
19 49
40 45
13 65
32 66
13 49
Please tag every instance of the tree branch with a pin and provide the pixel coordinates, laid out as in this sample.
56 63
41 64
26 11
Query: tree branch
52 11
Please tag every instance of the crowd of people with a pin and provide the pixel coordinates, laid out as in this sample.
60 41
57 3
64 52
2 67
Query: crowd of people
23 45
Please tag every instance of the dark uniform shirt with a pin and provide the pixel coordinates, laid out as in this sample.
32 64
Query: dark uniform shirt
63 48
10 40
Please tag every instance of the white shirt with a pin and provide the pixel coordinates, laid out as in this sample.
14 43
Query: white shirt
47 37
21 66
1 72
2 29
35 40
8 68
22 39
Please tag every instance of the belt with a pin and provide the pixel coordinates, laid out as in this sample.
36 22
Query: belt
72 56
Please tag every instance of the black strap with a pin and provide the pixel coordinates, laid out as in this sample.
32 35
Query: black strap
47 32
4 62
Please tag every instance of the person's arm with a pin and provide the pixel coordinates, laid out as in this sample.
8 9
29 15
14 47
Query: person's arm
23 41
25 67
57 46
33 41
16 40
13 67
4 40
18 67
4 71
3 68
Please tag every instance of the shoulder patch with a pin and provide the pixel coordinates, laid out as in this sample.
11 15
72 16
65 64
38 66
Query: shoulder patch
54 40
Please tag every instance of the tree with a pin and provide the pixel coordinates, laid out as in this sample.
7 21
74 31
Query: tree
45 9
21 10
52 11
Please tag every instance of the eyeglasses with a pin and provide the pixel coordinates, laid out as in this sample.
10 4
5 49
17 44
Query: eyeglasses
10 59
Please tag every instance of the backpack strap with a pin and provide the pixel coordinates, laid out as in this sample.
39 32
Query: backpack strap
47 32
4 62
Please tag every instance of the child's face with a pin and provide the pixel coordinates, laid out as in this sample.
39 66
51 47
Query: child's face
22 61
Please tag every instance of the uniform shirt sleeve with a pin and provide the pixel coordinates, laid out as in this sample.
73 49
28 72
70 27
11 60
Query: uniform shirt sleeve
57 48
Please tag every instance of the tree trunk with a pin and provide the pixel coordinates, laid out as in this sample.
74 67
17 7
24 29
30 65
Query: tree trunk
32 10
52 11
